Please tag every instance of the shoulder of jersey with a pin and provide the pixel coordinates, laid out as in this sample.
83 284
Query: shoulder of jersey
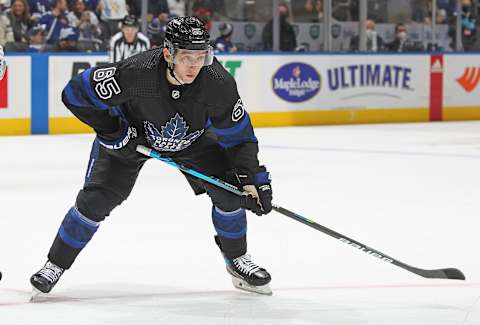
217 73
147 60
116 37
142 37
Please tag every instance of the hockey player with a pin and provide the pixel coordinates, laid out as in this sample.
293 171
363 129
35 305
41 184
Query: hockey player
3 63
129 41
180 101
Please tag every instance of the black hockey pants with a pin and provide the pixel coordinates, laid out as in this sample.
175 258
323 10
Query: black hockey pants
109 180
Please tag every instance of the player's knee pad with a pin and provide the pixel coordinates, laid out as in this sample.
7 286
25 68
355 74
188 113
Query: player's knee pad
76 229
230 224
97 203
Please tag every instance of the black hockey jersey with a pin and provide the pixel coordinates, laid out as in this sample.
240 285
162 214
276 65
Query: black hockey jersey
168 118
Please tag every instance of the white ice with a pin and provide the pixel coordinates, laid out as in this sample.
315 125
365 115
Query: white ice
411 191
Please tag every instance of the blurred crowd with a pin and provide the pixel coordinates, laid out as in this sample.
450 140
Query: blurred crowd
95 25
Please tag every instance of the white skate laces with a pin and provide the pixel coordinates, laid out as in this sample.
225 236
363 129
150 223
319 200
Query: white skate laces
51 272
245 264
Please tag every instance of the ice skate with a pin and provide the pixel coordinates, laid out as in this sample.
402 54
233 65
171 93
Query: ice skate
246 275
45 279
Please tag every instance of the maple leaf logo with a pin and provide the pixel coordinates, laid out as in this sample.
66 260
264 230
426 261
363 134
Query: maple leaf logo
173 136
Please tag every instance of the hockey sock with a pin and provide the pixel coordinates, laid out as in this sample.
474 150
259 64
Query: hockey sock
73 235
76 230
231 227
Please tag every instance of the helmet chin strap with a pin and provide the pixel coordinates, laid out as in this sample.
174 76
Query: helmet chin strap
171 66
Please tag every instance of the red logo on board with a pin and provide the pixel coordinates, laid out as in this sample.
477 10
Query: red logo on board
470 79
4 91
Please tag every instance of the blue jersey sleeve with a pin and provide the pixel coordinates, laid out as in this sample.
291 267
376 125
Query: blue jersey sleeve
233 128
93 97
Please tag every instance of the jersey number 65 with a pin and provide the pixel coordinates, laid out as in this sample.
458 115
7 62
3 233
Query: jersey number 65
106 85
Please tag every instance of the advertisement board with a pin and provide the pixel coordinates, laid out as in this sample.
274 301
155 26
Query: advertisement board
62 69
461 87
15 94
326 89
277 90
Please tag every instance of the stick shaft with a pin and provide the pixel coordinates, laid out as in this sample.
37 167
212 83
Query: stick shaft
439 274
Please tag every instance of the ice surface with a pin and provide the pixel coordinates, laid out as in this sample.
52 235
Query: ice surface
411 191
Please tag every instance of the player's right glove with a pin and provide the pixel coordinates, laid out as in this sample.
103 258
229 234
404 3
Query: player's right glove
258 198
3 63
119 139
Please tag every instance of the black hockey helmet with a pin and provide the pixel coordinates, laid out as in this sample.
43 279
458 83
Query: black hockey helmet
130 20
188 33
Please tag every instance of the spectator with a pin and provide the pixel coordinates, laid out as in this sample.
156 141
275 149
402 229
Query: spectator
224 43
422 11
419 10
307 11
156 33
288 39
402 43
80 13
6 33
91 5
54 21
112 12
156 30
440 14
469 27
36 39
154 8
19 17
129 41
88 27
375 43
341 10
68 40
450 6
38 8
4 4
177 8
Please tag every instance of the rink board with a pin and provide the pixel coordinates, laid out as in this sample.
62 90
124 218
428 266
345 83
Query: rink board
277 90
15 97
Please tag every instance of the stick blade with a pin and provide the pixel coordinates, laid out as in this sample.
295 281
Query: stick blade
450 273
454 274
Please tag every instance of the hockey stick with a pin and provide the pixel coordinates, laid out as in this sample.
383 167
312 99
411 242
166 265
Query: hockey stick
449 273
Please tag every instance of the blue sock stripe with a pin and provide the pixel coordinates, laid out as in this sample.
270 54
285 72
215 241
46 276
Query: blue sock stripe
76 229
239 211
231 235
230 224
77 215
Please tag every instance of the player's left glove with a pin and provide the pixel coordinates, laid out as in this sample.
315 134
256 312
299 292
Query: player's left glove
119 139
3 63
258 197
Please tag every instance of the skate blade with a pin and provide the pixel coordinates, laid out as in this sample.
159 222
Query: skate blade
243 285
36 295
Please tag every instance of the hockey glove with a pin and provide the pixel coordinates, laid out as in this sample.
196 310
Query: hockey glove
3 63
119 139
258 198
